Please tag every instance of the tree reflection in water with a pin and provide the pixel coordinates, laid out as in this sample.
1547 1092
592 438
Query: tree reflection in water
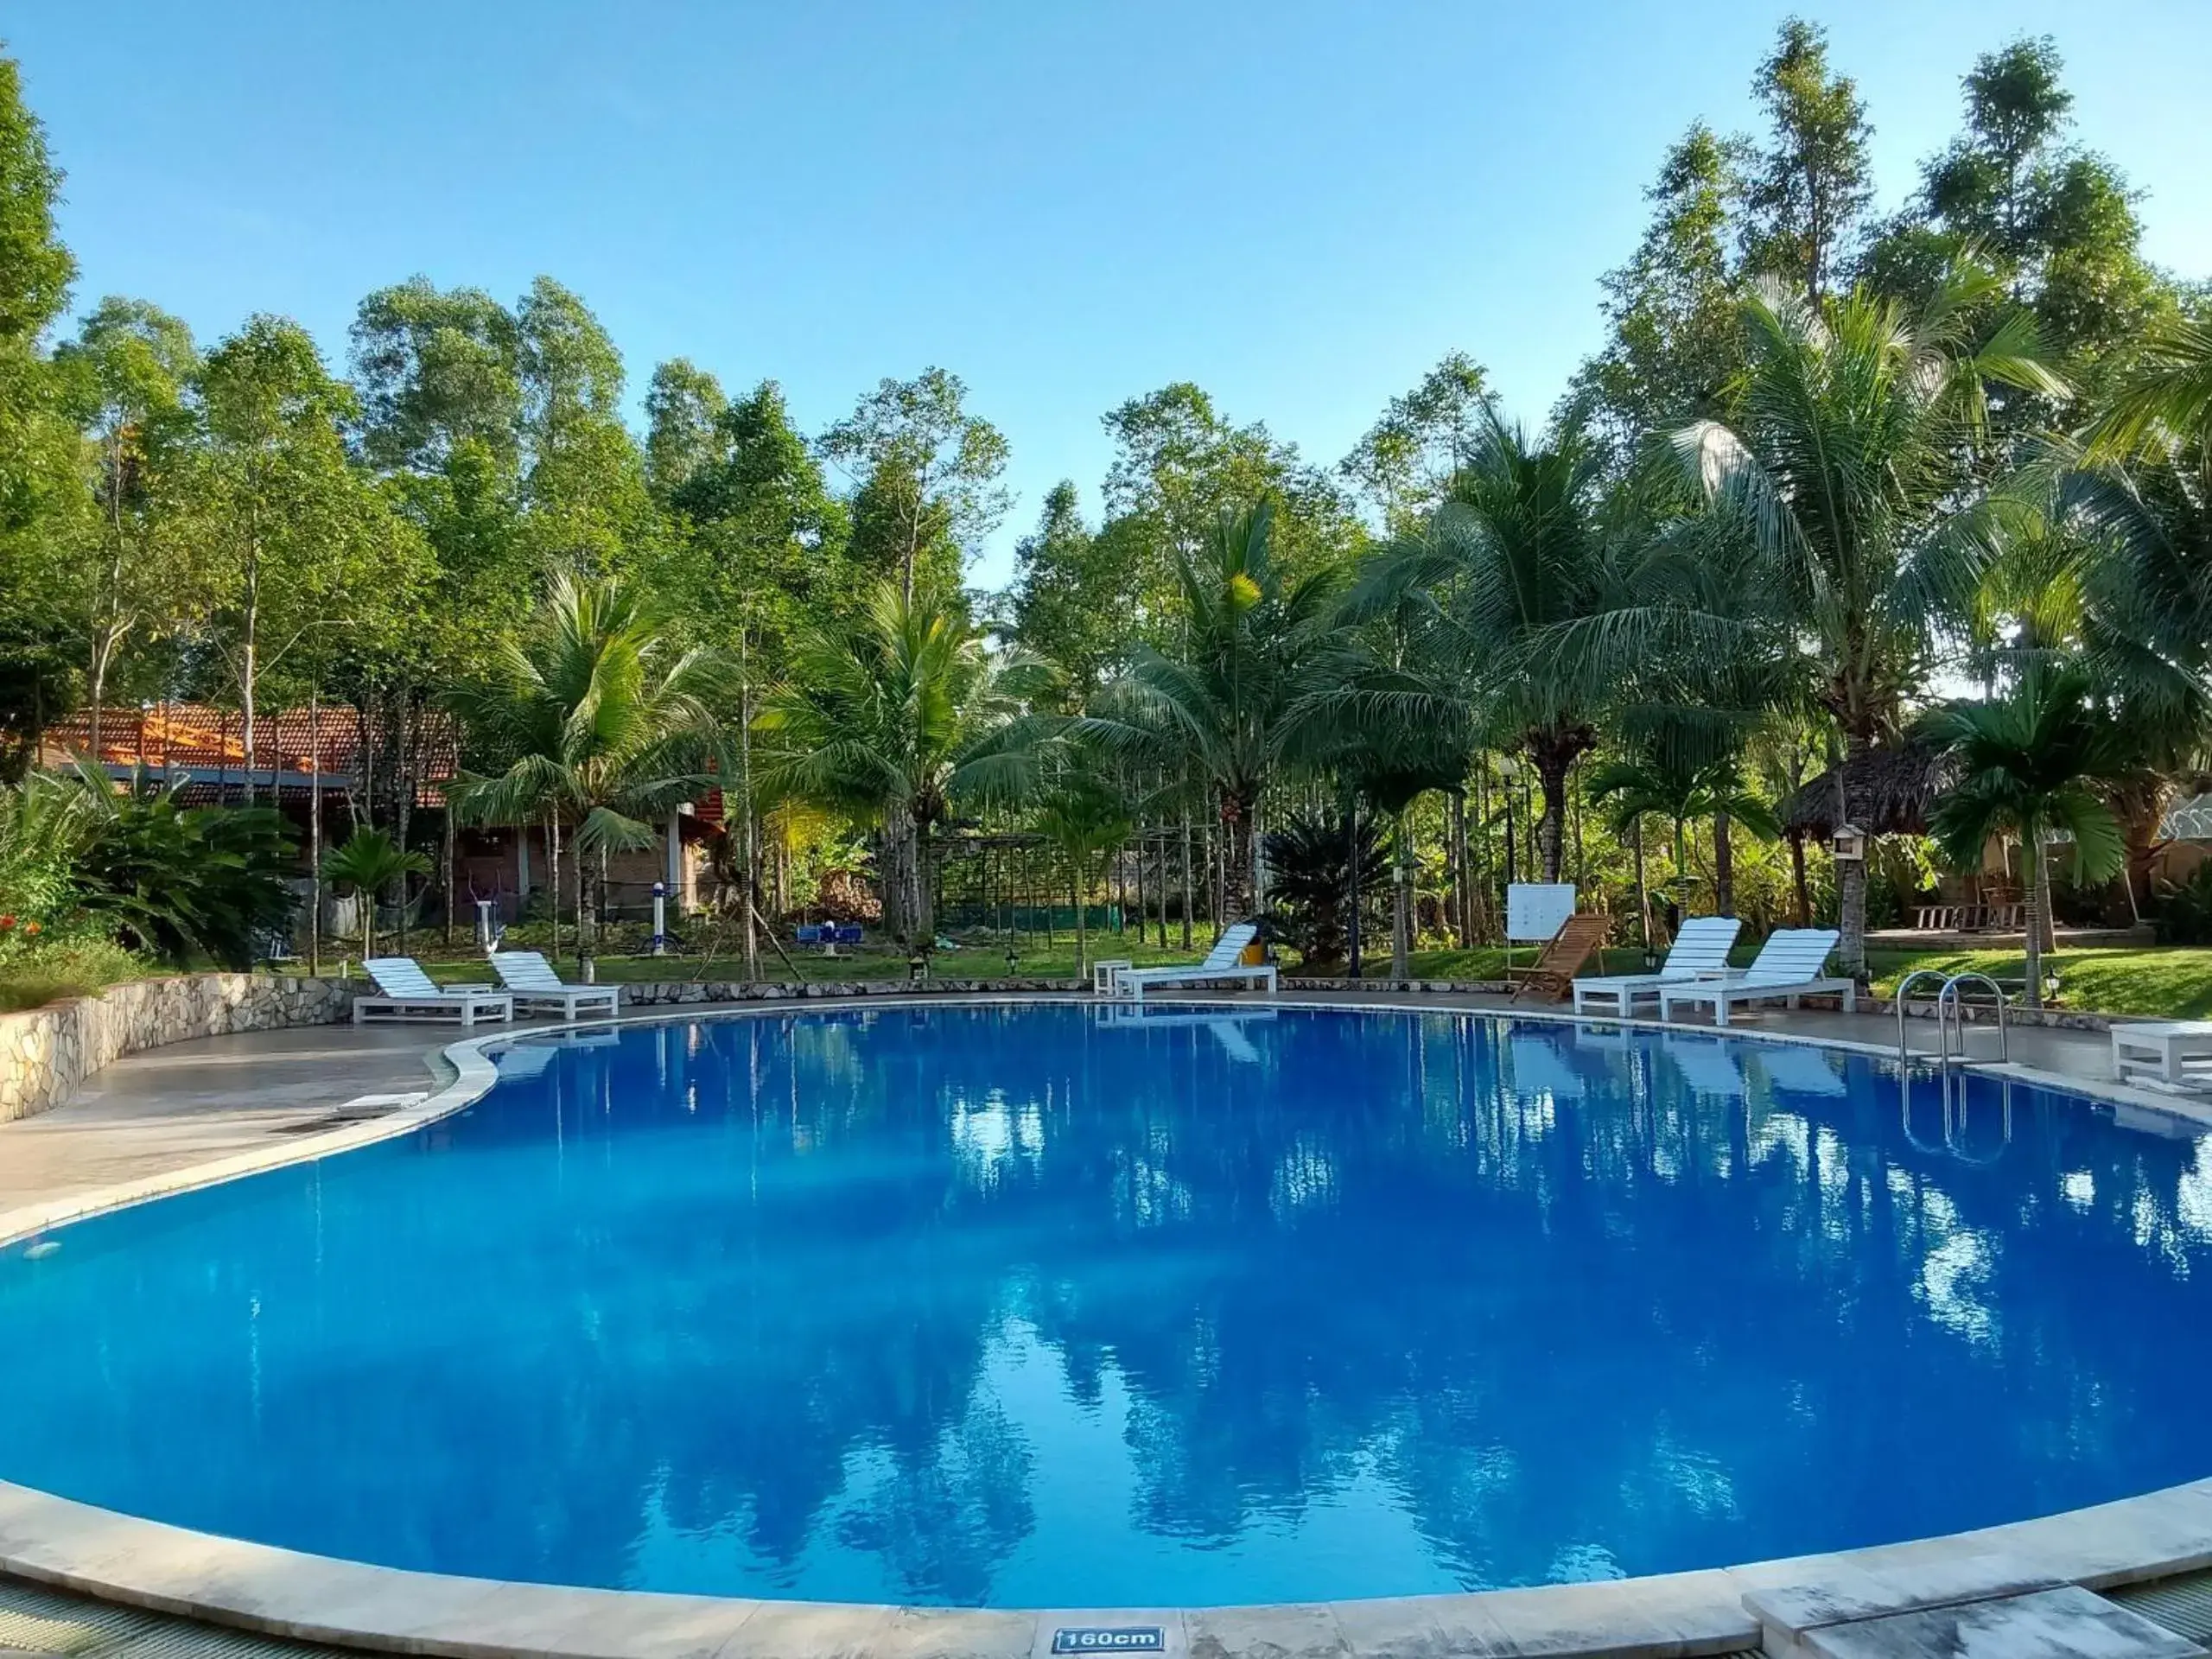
1009 1305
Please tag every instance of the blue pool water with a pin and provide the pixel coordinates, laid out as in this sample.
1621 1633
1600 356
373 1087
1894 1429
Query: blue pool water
1008 1307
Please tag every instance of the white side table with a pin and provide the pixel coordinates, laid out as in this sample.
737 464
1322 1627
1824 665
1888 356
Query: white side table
1101 976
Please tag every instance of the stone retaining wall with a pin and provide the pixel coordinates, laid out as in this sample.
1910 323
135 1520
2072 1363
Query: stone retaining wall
47 1053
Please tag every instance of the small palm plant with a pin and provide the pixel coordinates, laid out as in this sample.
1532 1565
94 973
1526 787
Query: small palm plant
369 863
2030 761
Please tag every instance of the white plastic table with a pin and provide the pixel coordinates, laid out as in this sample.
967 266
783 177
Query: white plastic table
2163 1047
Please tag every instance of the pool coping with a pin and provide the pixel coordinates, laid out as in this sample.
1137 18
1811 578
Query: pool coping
228 1581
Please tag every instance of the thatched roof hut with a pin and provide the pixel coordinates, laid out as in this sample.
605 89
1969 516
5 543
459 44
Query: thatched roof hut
1903 783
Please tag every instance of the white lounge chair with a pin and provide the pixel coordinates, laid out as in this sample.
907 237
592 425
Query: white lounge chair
1221 964
1701 951
405 992
535 985
2164 1048
1789 967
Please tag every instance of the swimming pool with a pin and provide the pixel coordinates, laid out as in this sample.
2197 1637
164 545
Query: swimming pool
1031 1305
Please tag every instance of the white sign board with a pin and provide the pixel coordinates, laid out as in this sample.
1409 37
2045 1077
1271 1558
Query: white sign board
1537 910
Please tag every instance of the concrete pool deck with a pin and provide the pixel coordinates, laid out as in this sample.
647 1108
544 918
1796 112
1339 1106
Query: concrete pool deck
212 1108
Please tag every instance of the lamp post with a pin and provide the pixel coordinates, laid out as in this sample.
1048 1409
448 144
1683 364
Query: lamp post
660 919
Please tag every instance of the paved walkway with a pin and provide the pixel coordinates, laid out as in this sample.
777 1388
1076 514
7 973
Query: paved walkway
189 1103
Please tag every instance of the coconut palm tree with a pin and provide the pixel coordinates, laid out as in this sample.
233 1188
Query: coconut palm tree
1668 780
596 723
1516 551
2031 761
1846 472
1232 705
369 863
899 719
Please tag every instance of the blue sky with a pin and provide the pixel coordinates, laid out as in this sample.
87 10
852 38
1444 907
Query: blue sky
1300 206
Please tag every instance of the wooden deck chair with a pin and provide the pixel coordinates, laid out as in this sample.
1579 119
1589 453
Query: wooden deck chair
1576 941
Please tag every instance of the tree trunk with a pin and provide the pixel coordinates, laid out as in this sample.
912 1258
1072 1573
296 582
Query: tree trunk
1551 764
1724 865
1797 879
315 827
1080 889
1351 864
1186 877
1137 847
1401 896
2037 869
1237 900
748 855
1851 872
1643 892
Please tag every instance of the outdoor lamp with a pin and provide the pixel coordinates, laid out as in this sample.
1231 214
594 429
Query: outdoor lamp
917 968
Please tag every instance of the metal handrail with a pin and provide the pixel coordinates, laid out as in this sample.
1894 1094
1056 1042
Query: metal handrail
1903 986
1949 995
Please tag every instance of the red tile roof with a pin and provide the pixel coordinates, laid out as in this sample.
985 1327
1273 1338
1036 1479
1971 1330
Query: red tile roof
201 738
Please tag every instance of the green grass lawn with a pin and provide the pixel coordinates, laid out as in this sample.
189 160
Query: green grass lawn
2160 981
976 959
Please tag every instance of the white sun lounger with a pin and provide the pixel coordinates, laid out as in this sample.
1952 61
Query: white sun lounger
535 985
2164 1048
1701 951
405 992
1789 967
1220 965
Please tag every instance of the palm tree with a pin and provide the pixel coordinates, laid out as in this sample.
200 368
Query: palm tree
899 719
369 863
1232 705
596 721
1670 781
1320 866
1516 551
2168 397
1845 472
2030 760
1086 820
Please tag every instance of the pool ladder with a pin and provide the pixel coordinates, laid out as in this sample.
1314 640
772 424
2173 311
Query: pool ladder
1950 1009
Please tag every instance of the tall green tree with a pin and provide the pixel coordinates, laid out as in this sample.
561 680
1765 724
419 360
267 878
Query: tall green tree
1514 553
439 371
587 503
928 470
1073 593
41 495
1673 341
1232 704
295 539
1810 185
2056 222
899 720
129 373
1846 474
1406 461
685 407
